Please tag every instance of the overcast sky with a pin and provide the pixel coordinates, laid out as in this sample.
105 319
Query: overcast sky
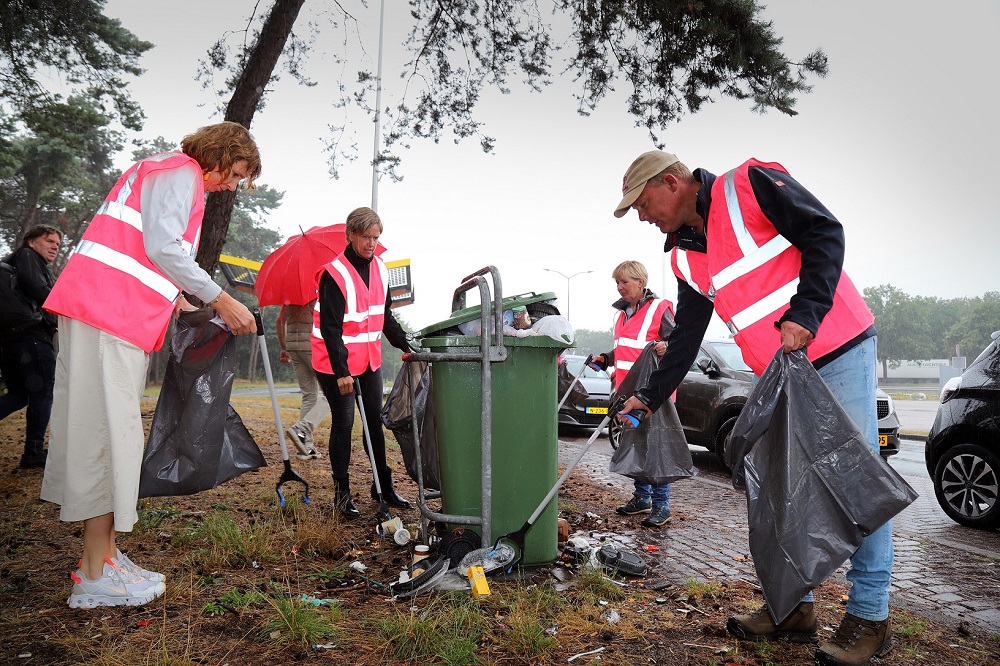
898 141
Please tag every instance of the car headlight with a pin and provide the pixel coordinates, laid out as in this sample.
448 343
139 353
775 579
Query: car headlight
892 405
950 387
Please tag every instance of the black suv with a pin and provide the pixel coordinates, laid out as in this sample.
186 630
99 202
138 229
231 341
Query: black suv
963 445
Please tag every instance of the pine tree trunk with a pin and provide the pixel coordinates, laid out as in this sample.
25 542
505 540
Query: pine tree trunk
241 108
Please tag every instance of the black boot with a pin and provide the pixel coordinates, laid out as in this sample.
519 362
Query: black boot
342 500
388 492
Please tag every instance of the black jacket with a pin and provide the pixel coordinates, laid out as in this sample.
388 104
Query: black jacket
807 224
35 280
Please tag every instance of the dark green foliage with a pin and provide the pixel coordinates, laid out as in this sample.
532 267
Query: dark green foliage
55 168
921 327
75 39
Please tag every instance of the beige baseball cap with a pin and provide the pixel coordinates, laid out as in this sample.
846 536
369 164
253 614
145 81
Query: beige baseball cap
642 169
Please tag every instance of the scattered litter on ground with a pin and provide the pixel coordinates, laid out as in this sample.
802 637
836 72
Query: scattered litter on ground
584 654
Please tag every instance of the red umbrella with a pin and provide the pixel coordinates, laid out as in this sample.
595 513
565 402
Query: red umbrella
290 274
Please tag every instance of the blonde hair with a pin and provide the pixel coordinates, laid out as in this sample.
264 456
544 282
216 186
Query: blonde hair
631 269
222 145
361 220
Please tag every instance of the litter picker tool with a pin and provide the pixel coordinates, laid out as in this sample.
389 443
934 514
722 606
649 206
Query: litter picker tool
508 549
576 379
383 508
288 475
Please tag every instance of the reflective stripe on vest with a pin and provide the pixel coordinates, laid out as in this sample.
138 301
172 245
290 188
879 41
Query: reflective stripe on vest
755 273
692 267
108 281
631 336
364 316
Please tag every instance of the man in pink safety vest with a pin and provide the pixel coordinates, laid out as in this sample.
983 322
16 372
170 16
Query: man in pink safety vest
774 257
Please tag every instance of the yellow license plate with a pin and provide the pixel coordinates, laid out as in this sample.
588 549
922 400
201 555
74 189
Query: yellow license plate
883 440
597 410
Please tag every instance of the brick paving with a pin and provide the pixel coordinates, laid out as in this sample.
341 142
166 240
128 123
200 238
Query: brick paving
942 570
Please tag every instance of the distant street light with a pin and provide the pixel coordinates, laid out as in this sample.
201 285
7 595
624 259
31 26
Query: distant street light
568 278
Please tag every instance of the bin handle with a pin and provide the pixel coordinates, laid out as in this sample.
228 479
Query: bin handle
458 300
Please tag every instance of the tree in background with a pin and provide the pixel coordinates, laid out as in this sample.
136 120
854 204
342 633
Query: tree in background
89 52
592 342
971 333
673 54
55 168
917 328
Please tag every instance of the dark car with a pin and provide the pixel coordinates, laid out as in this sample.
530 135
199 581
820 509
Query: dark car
589 411
712 395
963 445
715 389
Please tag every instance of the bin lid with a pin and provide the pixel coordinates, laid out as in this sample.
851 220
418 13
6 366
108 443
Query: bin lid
468 314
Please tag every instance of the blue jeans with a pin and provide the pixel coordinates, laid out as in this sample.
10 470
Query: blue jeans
852 380
659 494
28 365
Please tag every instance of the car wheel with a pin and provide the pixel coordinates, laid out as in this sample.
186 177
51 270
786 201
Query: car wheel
966 485
722 440
615 433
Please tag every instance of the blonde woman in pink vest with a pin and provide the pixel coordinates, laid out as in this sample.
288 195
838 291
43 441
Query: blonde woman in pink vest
641 318
115 298
352 312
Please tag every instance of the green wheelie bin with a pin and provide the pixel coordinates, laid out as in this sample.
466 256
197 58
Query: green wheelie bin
524 436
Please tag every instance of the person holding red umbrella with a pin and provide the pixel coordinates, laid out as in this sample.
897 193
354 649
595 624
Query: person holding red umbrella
352 313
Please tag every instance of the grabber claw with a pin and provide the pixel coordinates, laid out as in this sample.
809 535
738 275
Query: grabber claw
289 476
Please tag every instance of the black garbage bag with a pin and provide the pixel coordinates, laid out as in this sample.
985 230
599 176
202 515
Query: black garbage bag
197 440
656 452
397 415
815 487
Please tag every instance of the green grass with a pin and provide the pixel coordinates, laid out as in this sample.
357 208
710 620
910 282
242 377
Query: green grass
702 589
152 517
446 631
593 585
234 600
293 621
227 544
908 625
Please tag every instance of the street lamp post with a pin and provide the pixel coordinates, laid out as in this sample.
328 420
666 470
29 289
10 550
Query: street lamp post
568 278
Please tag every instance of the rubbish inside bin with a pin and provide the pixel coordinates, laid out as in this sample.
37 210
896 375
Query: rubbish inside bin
538 306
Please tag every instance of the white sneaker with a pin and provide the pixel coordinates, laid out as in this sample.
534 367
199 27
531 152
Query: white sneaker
111 589
128 565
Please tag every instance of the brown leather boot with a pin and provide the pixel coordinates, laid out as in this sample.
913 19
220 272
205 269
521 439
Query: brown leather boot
799 627
856 642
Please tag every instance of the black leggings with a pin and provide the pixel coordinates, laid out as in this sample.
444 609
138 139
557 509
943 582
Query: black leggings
342 409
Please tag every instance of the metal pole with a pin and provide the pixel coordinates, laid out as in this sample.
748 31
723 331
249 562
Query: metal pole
378 110
568 278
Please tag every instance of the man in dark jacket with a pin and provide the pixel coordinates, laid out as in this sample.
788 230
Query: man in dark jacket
772 255
27 356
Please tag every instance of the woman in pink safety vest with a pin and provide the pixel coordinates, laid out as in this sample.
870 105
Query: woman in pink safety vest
642 318
351 314
114 298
